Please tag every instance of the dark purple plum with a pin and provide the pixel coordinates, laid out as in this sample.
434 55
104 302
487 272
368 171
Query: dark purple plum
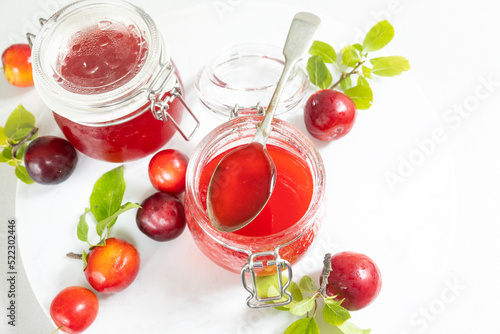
50 160
161 217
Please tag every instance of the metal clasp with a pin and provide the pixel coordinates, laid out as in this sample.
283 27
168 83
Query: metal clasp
30 37
160 106
236 111
255 300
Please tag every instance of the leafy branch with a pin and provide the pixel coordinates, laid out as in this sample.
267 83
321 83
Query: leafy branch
344 76
305 302
18 131
23 141
349 61
105 206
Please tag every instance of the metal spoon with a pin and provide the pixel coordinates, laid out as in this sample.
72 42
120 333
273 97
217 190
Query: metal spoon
244 179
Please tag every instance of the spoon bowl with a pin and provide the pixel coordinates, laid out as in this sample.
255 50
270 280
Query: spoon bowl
250 171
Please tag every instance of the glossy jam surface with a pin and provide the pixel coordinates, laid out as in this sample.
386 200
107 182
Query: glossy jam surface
273 227
290 198
101 57
98 59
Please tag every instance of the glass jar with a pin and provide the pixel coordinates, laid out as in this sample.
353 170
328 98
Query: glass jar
241 78
262 254
104 70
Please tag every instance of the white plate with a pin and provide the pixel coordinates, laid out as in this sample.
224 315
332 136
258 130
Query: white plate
406 230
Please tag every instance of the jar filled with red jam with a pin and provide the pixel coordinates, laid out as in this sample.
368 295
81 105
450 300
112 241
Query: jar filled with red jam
105 71
285 228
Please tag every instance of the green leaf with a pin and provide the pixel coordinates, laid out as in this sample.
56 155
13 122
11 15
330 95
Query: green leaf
22 174
349 328
367 72
21 133
324 50
273 292
335 314
101 242
318 72
303 306
6 154
267 286
350 56
82 230
378 36
303 326
294 289
358 47
389 66
307 285
108 222
327 83
20 118
21 150
84 259
362 96
362 81
3 138
264 285
107 195
286 307
346 83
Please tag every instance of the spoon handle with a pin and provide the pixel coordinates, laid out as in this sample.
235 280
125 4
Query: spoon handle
299 40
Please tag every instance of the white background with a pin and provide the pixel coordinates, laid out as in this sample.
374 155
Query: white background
439 260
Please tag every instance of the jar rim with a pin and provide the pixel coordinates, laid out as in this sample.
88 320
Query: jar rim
236 241
244 76
108 105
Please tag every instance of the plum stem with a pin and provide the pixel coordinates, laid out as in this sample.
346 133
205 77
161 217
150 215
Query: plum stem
315 305
57 329
24 140
327 269
346 75
74 256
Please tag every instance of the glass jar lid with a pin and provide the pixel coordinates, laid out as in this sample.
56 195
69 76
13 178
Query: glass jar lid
244 77
88 27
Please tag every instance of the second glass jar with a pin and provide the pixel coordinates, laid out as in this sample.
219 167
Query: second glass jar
104 70
235 251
